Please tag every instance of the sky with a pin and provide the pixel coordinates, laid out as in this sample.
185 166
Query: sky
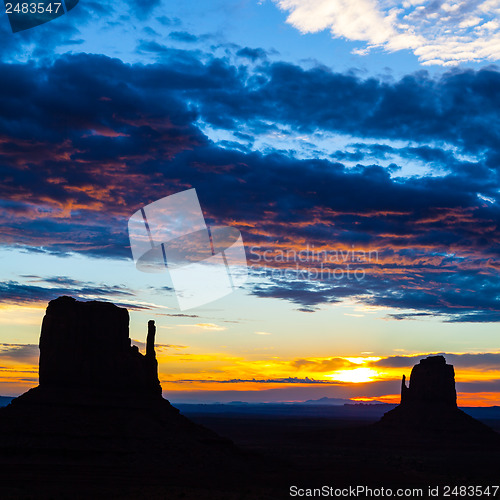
353 144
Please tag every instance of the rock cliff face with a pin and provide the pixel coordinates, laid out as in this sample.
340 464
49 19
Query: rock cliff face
86 346
429 406
99 408
432 382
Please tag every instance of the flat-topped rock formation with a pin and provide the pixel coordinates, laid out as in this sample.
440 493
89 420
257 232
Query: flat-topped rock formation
99 408
429 405
432 382
86 346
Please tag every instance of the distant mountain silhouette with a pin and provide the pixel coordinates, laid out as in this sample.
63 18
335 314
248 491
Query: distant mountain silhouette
327 401
339 402
5 400
98 411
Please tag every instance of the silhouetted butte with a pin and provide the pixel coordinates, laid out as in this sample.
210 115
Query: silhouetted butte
98 415
429 406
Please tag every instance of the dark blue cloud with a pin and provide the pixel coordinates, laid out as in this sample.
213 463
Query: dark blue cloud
143 8
87 140
454 296
252 54
183 36
37 289
457 107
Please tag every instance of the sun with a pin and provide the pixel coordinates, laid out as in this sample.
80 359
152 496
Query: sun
357 375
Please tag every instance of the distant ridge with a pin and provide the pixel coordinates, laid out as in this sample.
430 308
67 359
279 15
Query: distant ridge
5 400
327 401
340 401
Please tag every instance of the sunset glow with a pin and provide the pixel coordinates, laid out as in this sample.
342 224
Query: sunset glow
370 223
357 375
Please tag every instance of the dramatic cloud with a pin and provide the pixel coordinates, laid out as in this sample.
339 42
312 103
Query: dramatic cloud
438 32
86 141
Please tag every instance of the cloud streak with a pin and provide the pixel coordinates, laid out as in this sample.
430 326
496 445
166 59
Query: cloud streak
42 290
